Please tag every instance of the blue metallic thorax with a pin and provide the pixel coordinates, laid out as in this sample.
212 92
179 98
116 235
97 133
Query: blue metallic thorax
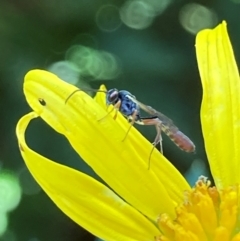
127 107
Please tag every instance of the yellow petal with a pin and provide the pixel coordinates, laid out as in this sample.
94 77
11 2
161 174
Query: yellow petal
122 164
88 202
220 112
100 97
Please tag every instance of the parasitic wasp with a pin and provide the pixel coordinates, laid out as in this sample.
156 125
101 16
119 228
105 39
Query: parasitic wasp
127 104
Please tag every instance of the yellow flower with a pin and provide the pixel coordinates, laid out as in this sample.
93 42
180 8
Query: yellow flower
146 204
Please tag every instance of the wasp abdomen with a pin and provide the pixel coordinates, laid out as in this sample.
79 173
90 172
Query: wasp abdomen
181 140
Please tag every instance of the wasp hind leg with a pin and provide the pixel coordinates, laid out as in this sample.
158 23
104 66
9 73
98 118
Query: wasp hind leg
158 139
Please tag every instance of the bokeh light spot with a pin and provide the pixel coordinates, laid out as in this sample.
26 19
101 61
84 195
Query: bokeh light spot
108 18
3 223
66 71
10 191
195 17
136 14
93 63
81 57
109 65
157 6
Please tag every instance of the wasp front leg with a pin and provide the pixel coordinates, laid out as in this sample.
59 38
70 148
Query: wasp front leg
116 108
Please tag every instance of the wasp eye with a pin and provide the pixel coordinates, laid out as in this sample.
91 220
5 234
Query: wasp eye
42 101
112 96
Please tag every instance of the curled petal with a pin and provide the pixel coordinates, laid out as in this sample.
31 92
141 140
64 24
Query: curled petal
88 202
98 138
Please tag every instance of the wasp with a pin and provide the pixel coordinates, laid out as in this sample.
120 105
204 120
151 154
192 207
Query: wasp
127 104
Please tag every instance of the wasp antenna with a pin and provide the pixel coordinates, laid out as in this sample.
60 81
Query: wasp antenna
83 89
71 95
94 90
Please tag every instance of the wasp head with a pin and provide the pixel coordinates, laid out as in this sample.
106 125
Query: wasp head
112 96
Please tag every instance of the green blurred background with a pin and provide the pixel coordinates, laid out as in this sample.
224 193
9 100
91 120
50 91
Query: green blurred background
143 46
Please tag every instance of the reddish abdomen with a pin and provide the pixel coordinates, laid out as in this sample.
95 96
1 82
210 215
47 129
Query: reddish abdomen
182 141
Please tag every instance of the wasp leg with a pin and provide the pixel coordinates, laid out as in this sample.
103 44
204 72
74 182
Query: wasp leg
106 114
158 124
133 118
158 138
154 120
116 108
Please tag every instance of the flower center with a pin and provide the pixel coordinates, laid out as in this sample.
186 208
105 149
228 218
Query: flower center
207 214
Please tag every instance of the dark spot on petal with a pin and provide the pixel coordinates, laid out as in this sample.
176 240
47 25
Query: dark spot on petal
20 147
42 101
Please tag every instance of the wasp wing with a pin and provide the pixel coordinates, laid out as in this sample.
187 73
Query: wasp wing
179 138
151 111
